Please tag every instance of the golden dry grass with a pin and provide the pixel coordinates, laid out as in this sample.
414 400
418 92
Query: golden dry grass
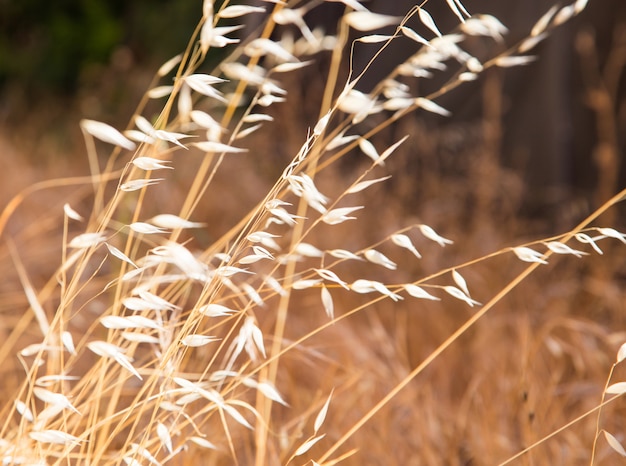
410 381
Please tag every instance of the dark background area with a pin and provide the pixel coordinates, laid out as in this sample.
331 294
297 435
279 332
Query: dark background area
559 122
51 46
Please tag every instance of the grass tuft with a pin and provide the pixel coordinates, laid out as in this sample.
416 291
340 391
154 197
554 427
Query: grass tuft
238 283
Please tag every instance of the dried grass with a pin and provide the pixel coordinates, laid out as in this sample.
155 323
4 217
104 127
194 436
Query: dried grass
229 293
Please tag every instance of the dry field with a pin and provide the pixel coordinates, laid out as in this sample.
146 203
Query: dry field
269 265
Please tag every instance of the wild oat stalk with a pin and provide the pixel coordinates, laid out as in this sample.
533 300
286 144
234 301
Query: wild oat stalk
168 347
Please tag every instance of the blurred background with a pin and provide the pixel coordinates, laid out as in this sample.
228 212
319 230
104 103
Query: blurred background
557 124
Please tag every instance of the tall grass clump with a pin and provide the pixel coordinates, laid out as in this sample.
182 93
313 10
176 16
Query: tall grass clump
201 314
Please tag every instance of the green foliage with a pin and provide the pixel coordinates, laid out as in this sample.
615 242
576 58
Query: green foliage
48 45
